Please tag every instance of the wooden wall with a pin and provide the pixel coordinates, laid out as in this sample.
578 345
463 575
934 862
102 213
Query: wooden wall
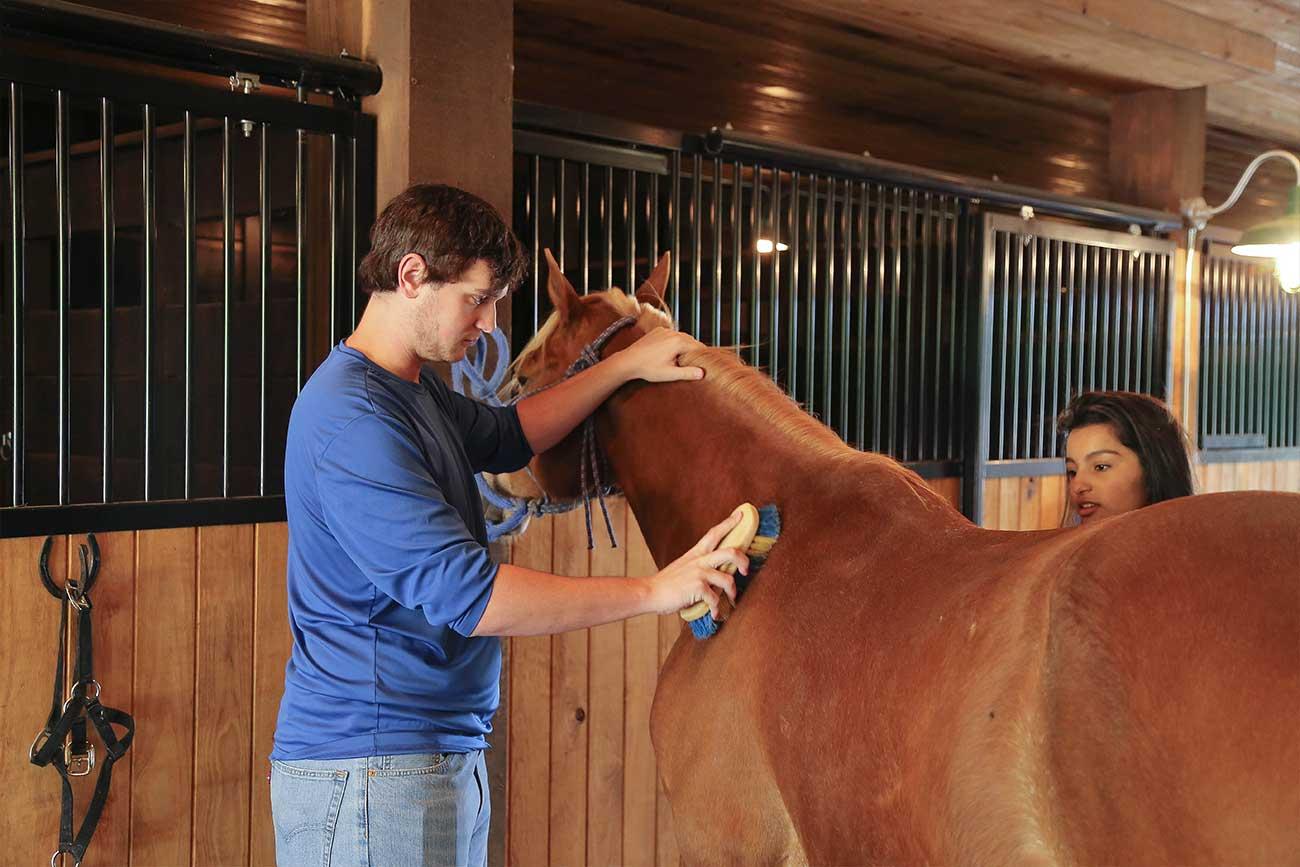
191 638
1038 502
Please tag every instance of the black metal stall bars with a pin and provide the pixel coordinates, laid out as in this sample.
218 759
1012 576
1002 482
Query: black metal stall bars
164 249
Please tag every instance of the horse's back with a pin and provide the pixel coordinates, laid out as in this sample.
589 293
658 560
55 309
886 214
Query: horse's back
1172 686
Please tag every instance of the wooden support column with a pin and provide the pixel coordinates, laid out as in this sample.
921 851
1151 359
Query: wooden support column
1157 160
443 115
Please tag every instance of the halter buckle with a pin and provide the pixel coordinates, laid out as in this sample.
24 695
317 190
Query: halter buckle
79 764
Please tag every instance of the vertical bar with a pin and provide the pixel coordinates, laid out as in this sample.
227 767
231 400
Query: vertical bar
1132 264
300 229
1017 336
792 335
188 194
334 237
828 311
1028 331
1041 290
629 220
675 232
756 287
810 394
607 208
1060 298
697 241
584 220
894 302
936 229
979 358
737 258
108 251
878 332
774 289
922 402
1002 287
1141 280
652 218
535 204
864 279
264 281
715 224
227 275
908 302
846 309
1207 311
353 204
147 301
61 156
559 212
959 224
18 283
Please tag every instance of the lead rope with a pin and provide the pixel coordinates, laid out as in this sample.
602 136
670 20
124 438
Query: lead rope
469 378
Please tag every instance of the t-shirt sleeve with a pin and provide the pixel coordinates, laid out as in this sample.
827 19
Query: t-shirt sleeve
392 520
494 439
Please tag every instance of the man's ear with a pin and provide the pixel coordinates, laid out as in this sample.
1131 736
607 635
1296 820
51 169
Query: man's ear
563 295
411 274
654 289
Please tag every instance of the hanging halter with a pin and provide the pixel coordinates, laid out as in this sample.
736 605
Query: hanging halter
62 742
592 460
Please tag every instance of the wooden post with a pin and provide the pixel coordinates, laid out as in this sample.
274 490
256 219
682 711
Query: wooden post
1157 160
443 115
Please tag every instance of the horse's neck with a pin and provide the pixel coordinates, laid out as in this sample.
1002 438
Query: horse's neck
686 454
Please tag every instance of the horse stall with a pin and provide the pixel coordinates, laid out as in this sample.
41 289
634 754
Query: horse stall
178 257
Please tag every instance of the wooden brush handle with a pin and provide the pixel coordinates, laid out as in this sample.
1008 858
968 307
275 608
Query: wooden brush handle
738 537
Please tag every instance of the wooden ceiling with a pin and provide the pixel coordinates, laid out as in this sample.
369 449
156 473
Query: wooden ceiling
1014 89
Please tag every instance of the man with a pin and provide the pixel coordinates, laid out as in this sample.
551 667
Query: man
394 603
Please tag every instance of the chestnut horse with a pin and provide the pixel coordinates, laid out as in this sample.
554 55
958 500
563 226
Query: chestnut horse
899 686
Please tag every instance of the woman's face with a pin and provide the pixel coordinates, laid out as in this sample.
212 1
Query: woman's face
1104 475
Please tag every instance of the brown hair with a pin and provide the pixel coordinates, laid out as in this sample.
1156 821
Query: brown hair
1144 425
450 230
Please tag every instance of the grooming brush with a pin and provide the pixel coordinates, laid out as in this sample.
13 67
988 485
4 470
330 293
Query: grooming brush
756 533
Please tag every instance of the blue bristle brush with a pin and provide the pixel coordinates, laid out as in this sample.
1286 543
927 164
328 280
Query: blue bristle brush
755 534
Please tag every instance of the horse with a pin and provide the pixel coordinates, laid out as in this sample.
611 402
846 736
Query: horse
899 686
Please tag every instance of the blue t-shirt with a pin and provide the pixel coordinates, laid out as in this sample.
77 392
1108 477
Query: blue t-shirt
388 569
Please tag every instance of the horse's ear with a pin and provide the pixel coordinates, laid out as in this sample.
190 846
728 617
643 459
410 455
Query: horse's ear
654 289
563 295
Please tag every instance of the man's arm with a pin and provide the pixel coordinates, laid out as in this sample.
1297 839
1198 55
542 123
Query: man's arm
548 416
527 602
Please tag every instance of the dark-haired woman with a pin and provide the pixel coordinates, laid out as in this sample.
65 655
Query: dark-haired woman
1123 451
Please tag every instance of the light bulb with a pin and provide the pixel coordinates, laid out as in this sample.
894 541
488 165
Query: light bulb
1288 268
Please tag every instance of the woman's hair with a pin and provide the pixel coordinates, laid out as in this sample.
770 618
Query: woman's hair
450 229
1144 425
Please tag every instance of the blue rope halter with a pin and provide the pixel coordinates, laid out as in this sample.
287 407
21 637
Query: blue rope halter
470 378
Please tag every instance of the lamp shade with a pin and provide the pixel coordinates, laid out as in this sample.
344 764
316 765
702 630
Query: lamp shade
1278 239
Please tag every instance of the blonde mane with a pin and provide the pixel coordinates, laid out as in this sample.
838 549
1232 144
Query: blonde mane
648 317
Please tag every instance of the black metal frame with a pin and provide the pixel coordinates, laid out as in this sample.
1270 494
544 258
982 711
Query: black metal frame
351 137
1248 399
114 34
1135 341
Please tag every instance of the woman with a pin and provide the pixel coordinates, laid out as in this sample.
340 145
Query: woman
1123 451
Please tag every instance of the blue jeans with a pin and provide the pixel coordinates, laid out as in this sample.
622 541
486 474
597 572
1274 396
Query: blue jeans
429 808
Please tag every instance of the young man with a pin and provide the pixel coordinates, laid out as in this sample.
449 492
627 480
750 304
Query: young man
394 603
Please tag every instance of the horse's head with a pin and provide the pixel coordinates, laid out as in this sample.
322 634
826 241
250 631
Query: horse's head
577 320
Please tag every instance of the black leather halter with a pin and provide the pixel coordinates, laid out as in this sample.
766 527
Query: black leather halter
62 742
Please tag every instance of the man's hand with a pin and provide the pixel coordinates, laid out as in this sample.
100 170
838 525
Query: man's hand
696 575
654 357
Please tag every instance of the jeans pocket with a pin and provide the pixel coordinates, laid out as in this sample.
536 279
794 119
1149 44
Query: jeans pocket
305 807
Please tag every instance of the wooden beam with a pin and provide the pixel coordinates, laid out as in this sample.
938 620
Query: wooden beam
1157 147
